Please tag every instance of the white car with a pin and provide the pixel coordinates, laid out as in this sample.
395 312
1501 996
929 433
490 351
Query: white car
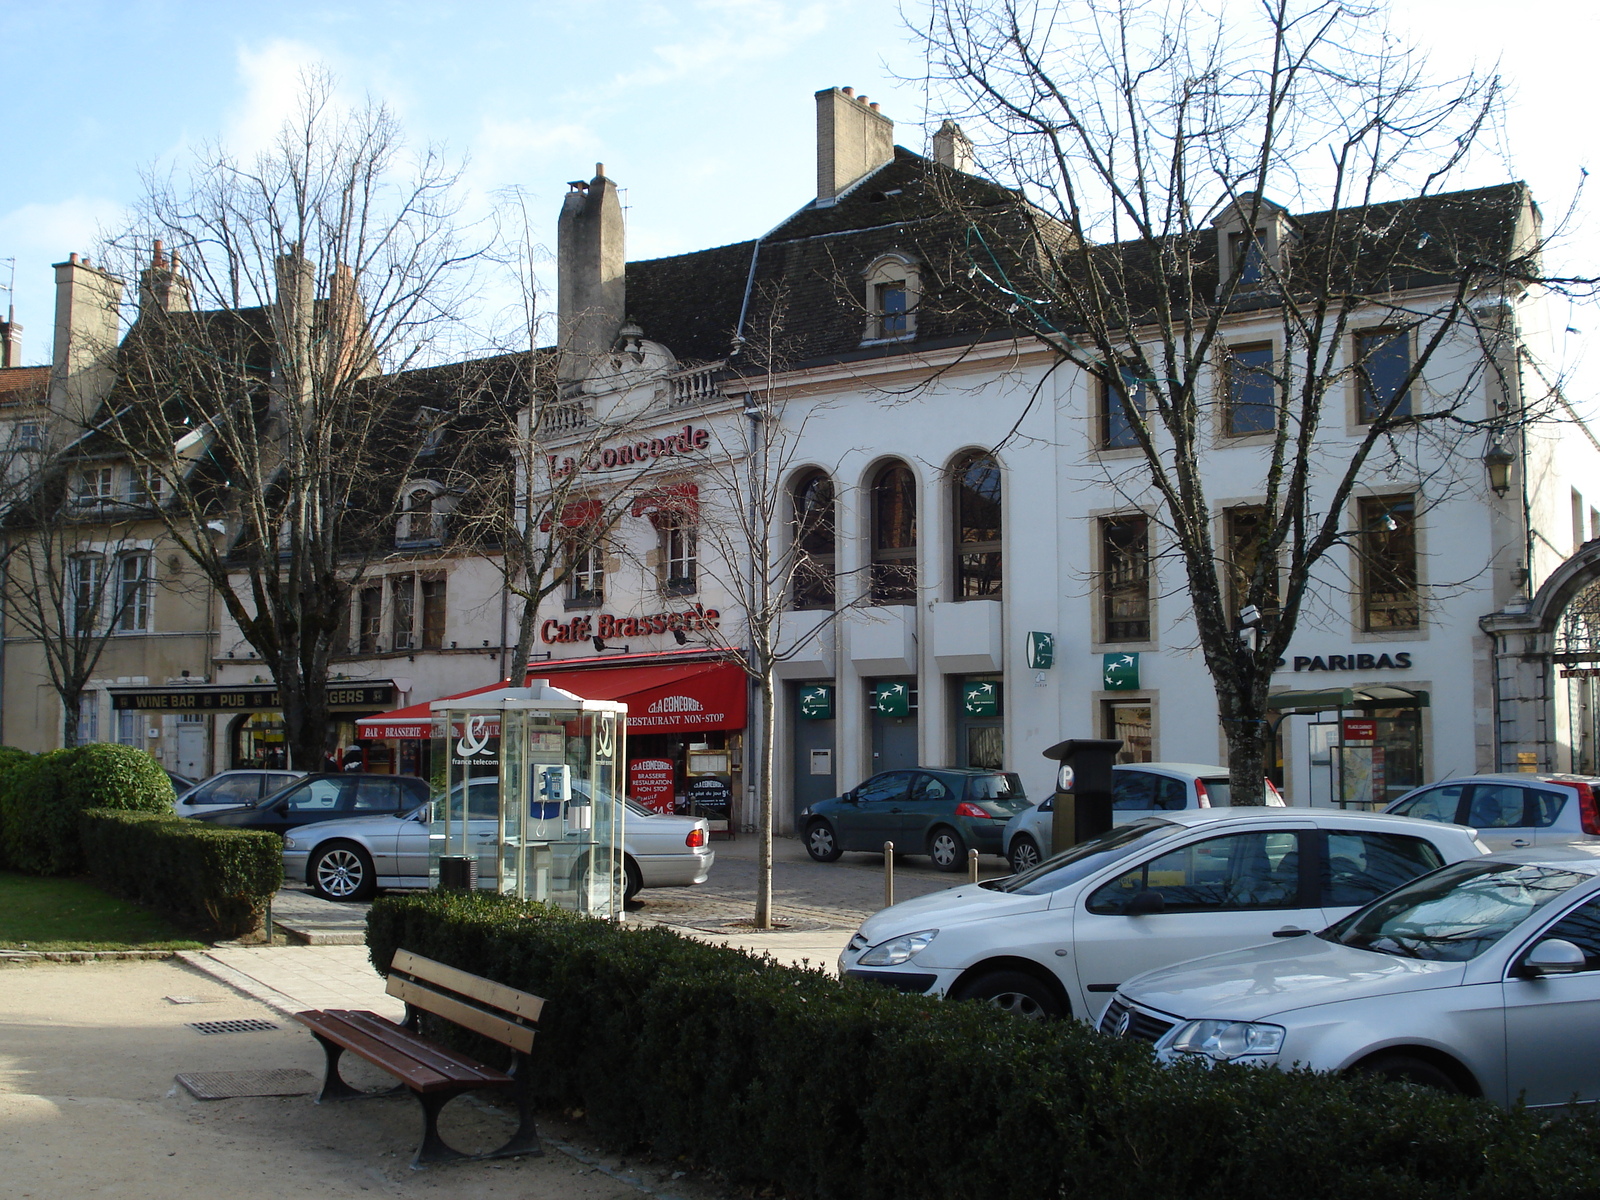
1058 940
1482 978
351 859
1511 812
232 789
1138 790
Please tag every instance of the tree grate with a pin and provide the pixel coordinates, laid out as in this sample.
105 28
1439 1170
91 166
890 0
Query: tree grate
248 1025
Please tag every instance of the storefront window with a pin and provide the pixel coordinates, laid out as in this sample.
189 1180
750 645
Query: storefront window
1134 724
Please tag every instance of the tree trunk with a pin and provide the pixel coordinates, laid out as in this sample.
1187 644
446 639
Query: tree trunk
764 801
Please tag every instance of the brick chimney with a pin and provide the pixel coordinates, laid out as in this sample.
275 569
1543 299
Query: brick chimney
83 365
591 295
10 341
162 285
853 139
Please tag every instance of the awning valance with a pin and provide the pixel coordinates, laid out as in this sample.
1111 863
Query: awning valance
414 720
1328 699
681 499
576 515
662 698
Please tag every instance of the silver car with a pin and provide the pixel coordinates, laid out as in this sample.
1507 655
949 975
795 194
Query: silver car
351 859
1481 978
232 789
1511 812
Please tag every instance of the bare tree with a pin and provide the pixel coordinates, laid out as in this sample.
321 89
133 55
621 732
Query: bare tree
260 381
1143 141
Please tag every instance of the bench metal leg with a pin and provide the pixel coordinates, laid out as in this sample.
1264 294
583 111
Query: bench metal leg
333 1085
434 1149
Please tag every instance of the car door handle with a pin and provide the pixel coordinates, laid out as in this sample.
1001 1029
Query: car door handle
1519 843
1290 931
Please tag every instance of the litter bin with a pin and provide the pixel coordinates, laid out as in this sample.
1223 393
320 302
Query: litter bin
458 873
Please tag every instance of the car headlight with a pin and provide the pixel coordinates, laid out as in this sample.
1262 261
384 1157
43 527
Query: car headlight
897 950
1224 1041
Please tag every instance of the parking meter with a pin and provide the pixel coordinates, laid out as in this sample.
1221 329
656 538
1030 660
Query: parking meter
1085 811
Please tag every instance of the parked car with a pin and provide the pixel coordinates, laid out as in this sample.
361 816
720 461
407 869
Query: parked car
324 796
1059 939
1138 790
231 789
1482 978
180 783
350 859
1511 812
938 811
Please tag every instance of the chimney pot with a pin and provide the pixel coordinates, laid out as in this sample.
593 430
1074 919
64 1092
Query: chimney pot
72 258
874 107
848 91
600 170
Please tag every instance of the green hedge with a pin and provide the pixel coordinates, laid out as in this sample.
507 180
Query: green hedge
213 879
41 797
792 1079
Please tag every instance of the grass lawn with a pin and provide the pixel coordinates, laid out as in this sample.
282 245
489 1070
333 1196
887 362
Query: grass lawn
39 913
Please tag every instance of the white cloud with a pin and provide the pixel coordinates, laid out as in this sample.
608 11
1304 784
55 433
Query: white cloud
727 35
272 76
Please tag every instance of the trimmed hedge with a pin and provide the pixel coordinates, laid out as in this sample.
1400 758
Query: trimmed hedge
216 880
41 797
827 1089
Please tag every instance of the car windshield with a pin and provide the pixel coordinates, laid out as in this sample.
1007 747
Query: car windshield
996 787
1456 913
1060 870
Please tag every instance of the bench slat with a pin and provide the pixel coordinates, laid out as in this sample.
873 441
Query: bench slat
379 1053
474 987
429 1054
509 1033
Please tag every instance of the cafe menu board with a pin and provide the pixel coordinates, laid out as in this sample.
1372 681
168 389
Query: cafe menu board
650 783
711 796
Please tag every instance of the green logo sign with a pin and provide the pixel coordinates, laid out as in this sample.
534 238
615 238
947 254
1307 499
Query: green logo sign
1041 651
1121 672
816 703
981 699
892 700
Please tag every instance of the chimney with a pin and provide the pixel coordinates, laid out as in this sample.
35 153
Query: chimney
83 364
10 341
292 368
953 149
853 139
590 287
161 286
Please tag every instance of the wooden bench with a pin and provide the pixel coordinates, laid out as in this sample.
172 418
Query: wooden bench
436 1074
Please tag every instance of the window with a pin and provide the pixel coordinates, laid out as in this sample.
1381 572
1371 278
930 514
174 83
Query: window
1140 791
94 485
1125 578
433 613
893 286
586 571
144 486
813 533
88 718
1120 406
369 618
1389 563
1358 867
431 422
30 436
422 517
1248 254
977 526
1132 724
1241 871
1244 528
133 594
403 612
85 581
1435 804
129 725
680 547
889 787
1383 358
894 535
1252 395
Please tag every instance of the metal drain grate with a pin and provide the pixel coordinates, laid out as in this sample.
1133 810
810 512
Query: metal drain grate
228 1085
249 1025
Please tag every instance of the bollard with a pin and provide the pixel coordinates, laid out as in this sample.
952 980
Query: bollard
888 874
972 864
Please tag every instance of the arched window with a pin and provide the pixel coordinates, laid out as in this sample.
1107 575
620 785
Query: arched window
894 289
424 506
813 532
975 482
894 535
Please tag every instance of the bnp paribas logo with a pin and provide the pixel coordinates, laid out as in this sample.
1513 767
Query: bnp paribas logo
1121 672
892 699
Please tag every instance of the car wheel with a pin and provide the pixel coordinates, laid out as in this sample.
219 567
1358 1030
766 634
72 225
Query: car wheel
623 874
1403 1068
342 871
1015 992
821 843
632 880
948 849
1024 854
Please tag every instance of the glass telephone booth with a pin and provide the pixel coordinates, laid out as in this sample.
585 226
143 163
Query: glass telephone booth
526 787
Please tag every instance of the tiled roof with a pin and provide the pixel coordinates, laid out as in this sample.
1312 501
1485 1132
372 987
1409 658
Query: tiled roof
23 385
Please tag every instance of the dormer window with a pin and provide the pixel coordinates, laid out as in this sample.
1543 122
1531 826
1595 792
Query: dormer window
1254 237
424 507
893 290
94 485
1247 255
144 486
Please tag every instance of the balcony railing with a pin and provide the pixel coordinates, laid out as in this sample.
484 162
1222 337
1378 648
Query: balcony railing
694 386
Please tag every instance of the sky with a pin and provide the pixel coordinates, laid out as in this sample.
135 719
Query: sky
701 110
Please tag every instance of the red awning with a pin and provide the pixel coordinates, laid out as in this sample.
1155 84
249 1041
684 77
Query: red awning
670 698
578 513
414 720
680 498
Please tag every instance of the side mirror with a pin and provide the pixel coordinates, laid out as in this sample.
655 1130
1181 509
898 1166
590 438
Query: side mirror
1145 904
850 797
1553 956
1048 804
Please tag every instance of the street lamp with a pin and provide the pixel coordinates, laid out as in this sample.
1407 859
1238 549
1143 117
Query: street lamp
1497 461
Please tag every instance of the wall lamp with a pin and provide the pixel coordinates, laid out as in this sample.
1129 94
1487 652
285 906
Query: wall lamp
1497 461
680 637
600 645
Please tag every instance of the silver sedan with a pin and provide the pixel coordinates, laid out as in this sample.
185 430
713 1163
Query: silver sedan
1481 978
351 859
